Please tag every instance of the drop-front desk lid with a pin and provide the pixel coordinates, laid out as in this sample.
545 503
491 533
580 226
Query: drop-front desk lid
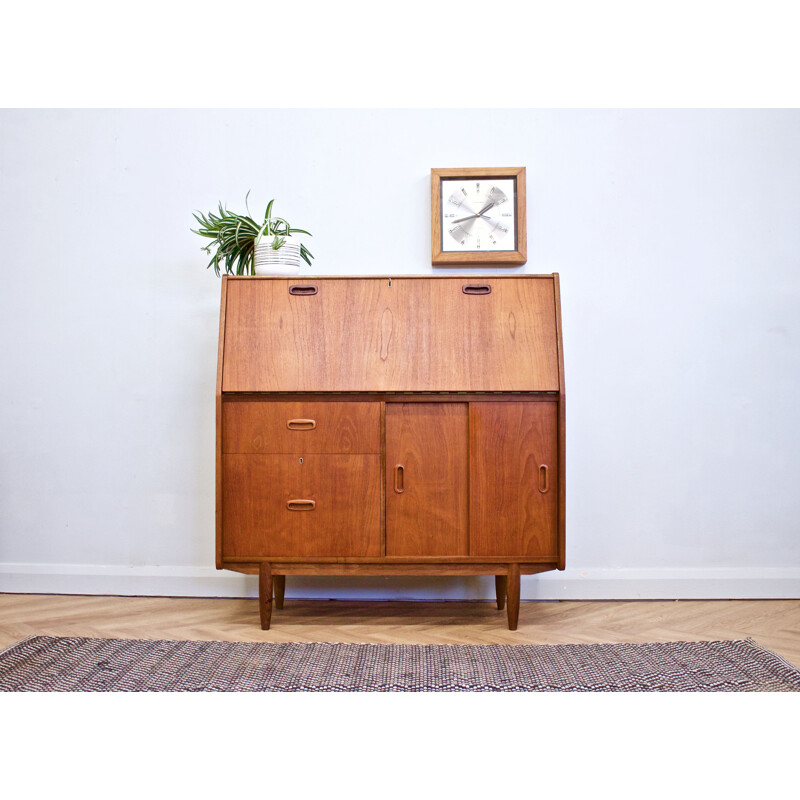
399 334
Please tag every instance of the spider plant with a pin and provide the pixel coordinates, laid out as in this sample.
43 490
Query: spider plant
236 236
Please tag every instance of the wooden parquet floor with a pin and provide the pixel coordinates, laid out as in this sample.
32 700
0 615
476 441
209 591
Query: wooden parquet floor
775 624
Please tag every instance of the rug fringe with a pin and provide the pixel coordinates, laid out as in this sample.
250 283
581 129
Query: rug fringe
17 644
792 668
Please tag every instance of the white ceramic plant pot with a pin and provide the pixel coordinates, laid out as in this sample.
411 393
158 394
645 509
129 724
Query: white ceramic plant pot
285 260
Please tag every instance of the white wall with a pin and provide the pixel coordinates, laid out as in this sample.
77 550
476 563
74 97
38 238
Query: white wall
677 238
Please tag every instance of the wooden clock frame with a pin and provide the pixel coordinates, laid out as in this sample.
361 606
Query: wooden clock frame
504 258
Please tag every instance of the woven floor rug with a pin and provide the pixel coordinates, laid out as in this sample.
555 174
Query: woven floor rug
49 664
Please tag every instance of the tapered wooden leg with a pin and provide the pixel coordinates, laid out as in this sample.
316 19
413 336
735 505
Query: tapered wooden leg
500 589
513 596
265 594
279 582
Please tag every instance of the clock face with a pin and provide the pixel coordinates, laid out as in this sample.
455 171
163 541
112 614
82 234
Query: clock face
478 214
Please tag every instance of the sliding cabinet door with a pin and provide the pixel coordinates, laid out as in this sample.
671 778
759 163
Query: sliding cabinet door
426 479
513 479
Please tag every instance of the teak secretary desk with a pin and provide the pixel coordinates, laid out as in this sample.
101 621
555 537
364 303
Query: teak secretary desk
390 426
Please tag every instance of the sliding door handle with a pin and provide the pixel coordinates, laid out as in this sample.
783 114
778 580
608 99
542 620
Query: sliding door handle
399 479
544 479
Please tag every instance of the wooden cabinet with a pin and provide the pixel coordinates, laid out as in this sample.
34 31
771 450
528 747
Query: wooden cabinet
390 426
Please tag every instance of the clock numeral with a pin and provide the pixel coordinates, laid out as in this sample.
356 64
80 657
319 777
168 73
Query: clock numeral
459 234
463 191
456 200
496 196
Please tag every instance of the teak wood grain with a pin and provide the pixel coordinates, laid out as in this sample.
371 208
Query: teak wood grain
500 590
329 341
273 426
512 596
405 567
391 426
265 585
513 502
428 513
501 341
391 335
279 583
371 565
562 433
344 520
218 478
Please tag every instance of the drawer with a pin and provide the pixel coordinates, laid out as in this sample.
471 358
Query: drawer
310 505
268 426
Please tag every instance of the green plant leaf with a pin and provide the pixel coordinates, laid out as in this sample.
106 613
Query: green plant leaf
234 237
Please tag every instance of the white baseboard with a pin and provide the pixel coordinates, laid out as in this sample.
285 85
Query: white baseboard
571 584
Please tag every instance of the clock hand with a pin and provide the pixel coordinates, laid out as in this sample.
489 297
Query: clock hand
481 213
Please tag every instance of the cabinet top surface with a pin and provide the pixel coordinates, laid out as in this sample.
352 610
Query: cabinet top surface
442 333
450 276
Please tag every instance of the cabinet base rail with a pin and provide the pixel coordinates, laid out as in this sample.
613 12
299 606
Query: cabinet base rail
272 579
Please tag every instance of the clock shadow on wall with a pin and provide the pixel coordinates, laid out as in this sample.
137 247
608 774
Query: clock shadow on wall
478 217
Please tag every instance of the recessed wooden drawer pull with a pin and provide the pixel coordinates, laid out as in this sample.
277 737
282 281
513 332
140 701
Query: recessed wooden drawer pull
476 288
301 505
302 290
399 477
301 424
544 479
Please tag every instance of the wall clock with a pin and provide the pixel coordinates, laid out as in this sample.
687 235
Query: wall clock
478 216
